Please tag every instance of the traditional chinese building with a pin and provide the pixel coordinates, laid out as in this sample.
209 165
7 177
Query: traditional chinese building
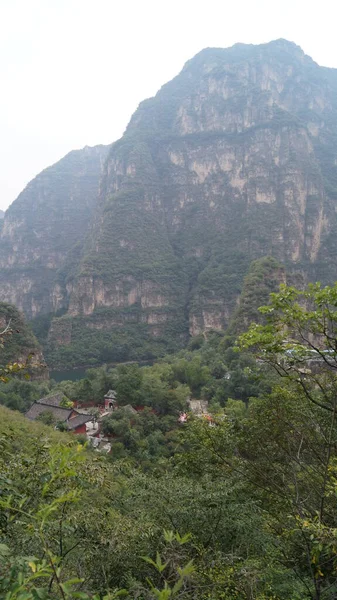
74 421
110 400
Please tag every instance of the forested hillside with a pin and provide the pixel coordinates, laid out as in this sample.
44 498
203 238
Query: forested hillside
237 504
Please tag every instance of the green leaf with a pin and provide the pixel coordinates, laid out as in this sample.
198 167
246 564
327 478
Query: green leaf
4 550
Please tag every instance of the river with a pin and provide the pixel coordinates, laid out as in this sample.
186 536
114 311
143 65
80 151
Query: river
71 375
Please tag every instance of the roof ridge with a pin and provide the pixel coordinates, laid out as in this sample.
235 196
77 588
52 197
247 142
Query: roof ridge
52 405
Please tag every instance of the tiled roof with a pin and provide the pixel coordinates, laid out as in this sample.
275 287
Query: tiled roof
129 409
111 395
60 414
52 399
78 420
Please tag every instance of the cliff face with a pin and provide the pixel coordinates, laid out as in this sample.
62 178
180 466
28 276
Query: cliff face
43 230
233 160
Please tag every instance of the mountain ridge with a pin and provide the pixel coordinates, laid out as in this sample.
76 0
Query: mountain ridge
43 225
233 160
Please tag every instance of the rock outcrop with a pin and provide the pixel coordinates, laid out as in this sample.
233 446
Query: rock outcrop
44 229
233 160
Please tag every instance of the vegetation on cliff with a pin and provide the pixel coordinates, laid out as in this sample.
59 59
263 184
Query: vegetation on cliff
19 348
127 339
232 161
20 340
43 231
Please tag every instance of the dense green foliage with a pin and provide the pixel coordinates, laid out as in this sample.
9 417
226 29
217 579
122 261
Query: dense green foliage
19 394
126 341
212 371
247 499
20 340
264 277
77 489
130 340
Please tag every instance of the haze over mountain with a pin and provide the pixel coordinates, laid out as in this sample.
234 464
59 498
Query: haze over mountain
123 252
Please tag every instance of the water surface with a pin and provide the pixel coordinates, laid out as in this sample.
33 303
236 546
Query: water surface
70 375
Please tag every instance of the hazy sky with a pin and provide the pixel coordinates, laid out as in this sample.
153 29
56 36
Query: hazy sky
73 71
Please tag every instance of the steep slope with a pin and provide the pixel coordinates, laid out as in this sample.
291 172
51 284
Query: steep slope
233 160
19 344
43 231
264 277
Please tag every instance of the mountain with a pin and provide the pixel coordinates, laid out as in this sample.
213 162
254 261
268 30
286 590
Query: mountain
44 229
232 161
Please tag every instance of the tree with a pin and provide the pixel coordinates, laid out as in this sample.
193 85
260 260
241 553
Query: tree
62 426
282 446
66 403
11 367
191 372
298 427
128 384
46 417
299 340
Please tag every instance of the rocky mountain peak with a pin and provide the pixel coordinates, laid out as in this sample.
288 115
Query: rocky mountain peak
147 242
233 89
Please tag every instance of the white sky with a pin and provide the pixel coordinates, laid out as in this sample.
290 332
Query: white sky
73 71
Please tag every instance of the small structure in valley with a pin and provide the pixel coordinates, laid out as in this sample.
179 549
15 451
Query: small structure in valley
71 419
110 400
198 407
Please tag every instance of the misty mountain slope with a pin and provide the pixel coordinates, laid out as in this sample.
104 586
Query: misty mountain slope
43 229
233 160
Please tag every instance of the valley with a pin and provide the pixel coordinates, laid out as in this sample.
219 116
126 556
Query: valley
168 344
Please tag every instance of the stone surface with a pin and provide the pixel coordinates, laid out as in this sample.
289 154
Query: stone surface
44 229
233 160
